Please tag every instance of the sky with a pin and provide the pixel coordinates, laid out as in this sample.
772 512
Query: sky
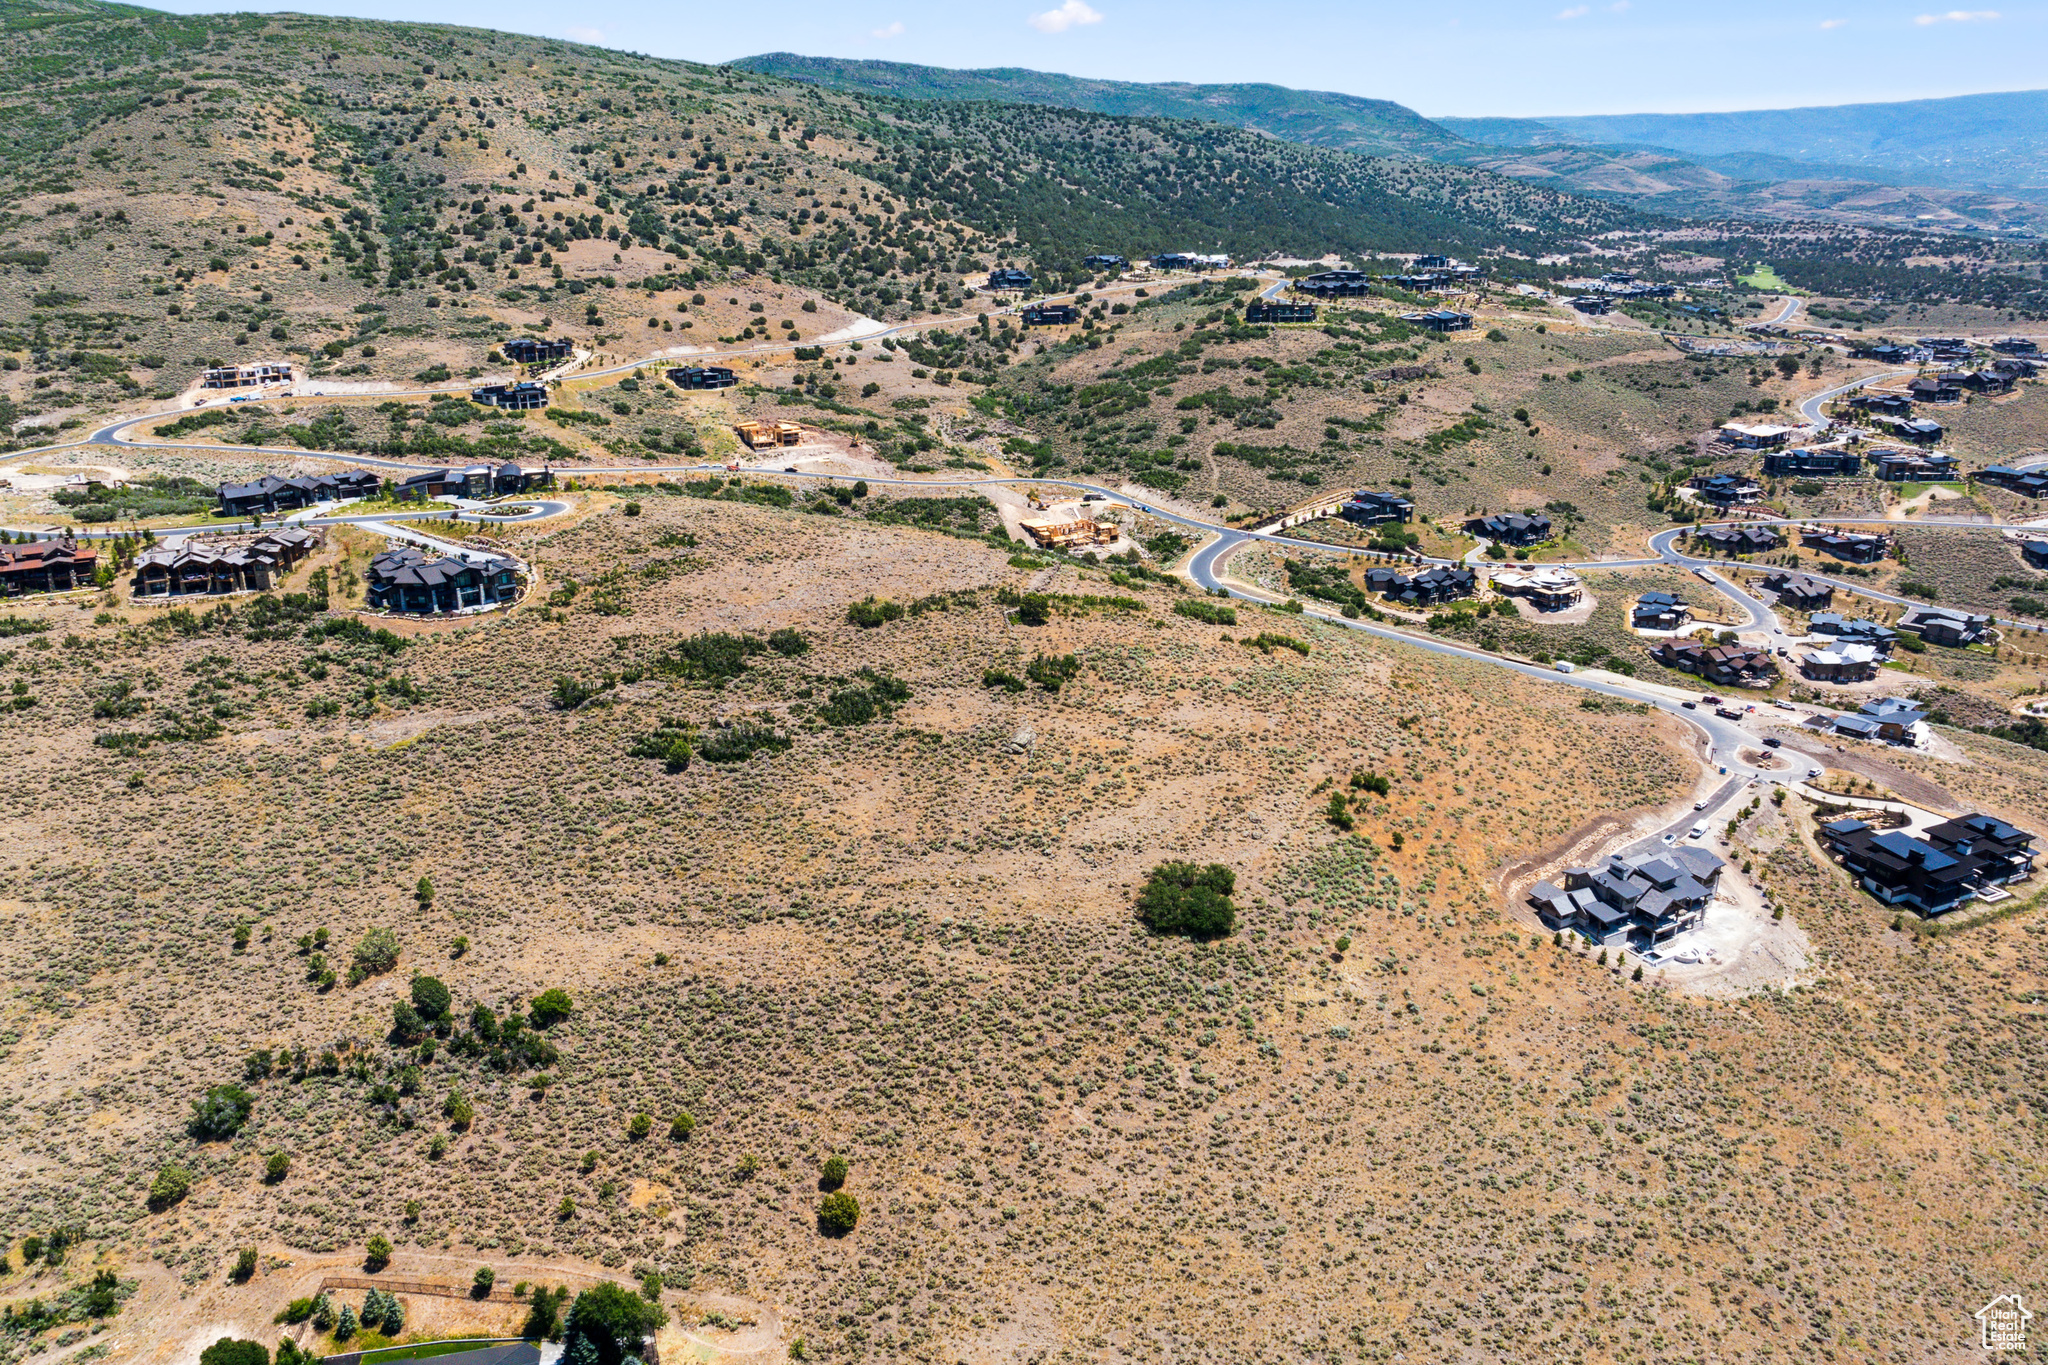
1446 57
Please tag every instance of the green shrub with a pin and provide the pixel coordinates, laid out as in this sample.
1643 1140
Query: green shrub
1052 671
375 953
870 612
640 1127
172 1183
738 743
220 1113
1181 898
996 677
276 1168
833 1173
788 642
431 998
681 1126
609 1322
482 1282
228 1351
378 1252
838 1213
1199 609
550 1007
245 1265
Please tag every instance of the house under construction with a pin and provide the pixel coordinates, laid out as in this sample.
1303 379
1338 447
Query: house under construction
767 435
1070 535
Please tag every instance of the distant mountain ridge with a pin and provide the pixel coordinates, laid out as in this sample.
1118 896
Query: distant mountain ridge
1994 141
1974 161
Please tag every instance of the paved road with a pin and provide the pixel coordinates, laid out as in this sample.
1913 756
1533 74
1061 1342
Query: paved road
1809 408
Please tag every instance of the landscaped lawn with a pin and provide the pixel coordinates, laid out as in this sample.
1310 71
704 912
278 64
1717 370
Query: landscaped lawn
1764 277
427 1349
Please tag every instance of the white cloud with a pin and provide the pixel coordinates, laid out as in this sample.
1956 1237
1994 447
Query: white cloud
1833 23
891 30
577 34
1618 7
1958 16
1575 12
1065 17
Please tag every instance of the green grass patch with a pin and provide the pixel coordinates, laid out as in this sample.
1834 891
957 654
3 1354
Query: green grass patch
1765 276
426 1350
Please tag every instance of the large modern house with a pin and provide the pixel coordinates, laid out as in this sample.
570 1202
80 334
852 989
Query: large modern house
405 580
1511 528
472 481
1799 592
1841 663
537 350
1923 431
1741 540
702 377
522 397
1435 585
1272 310
1007 278
1051 315
212 566
1854 630
1945 625
57 565
1647 898
1851 546
1727 665
1904 466
1439 320
2031 483
1754 436
1726 490
1368 508
1546 588
1659 611
272 493
2035 552
1830 462
1935 874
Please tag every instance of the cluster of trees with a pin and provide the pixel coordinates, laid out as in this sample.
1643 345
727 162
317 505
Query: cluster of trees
1181 898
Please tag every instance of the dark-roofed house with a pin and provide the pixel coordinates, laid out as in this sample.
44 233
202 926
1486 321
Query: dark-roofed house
1849 546
1890 404
406 580
1854 630
1886 352
2016 368
1918 430
272 493
1435 585
1799 592
521 397
1990 383
2035 552
1104 261
1511 528
1051 315
1659 611
1646 899
1728 665
2030 483
1009 278
1741 540
1336 284
1912 466
1726 490
56 565
537 350
1368 508
1945 625
1439 320
1895 717
1272 310
2016 346
1591 304
702 377
1832 462
1931 875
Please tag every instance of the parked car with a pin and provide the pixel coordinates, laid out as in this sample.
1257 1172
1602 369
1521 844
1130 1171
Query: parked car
1772 742
1784 705
1697 830
1813 772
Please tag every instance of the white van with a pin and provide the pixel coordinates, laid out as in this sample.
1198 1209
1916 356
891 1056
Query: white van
1697 830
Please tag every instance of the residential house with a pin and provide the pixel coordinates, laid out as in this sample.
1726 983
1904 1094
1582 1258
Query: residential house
1933 389
211 566
1647 898
1904 466
2032 483
1945 625
1851 547
1930 875
2016 368
1885 404
471 481
1433 586
1430 262
1051 315
1727 665
521 397
1592 304
537 350
1009 278
1439 320
250 376
1947 350
1336 284
511 478
1659 611
1831 462
2035 552
1895 718
1368 508
1854 630
2005 852
1842 663
1726 490
1887 353
272 493
1188 260
1548 588
2016 346
1272 310
408 581
1990 382
1924 431
1754 436
1740 540
1070 535
696 377
56 565
1799 592
1104 262
1511 528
